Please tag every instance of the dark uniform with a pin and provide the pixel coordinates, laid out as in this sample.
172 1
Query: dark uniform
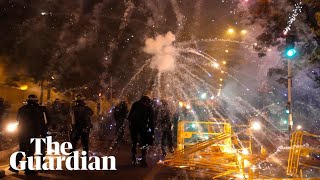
120 114
141 126
164 120
81 124
32 120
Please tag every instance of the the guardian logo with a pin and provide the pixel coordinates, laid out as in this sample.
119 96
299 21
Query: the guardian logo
55 156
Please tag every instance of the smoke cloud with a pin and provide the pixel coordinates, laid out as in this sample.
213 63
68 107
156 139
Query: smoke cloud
163 51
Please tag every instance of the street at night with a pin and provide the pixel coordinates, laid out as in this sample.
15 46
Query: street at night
159 89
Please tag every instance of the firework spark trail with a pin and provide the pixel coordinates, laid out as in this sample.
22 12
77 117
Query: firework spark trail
248 106
179 16
255 110
212 40
82 41
297 9
197 14
178 87
194 51
270 140
197 90
247 76
157 86
186 78
198 78
186 96
134 77
238 81
113 45
124 23
173 88
193 61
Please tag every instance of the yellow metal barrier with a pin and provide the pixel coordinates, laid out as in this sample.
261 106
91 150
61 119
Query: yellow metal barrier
297 150
223 154
216 154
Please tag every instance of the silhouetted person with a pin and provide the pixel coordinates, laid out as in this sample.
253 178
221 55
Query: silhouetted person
120 115
81 123
141 126
32 119
164 118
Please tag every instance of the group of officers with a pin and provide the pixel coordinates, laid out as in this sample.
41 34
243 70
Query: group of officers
33 123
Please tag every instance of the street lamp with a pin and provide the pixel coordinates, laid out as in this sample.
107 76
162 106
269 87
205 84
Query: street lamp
12 127
24 87
243 32
230 31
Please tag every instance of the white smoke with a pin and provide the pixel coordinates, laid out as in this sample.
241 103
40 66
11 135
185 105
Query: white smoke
163 51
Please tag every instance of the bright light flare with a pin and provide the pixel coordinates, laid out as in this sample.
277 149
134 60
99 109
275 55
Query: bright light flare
215 65
299 127
193 125
188 106
12 127
203 95
180 104
243 32
256 126
291 52
230 31
23 87
245 152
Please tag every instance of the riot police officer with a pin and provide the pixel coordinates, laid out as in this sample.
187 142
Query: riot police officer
81 123
32 119
141 126
164 120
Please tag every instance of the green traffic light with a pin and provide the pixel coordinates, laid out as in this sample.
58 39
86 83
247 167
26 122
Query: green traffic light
291 52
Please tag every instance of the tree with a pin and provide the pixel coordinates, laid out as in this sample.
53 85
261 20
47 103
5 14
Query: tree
273 17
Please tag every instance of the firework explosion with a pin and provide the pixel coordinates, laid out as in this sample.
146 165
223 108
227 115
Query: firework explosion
205 64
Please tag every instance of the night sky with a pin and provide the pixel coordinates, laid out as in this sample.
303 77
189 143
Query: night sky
55 35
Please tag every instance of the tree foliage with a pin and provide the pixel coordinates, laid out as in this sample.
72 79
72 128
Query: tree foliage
273 17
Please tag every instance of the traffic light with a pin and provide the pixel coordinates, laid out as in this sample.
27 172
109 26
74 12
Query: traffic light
290 52
288 108
287 111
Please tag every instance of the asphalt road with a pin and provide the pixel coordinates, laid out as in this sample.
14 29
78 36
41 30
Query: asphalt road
123 164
